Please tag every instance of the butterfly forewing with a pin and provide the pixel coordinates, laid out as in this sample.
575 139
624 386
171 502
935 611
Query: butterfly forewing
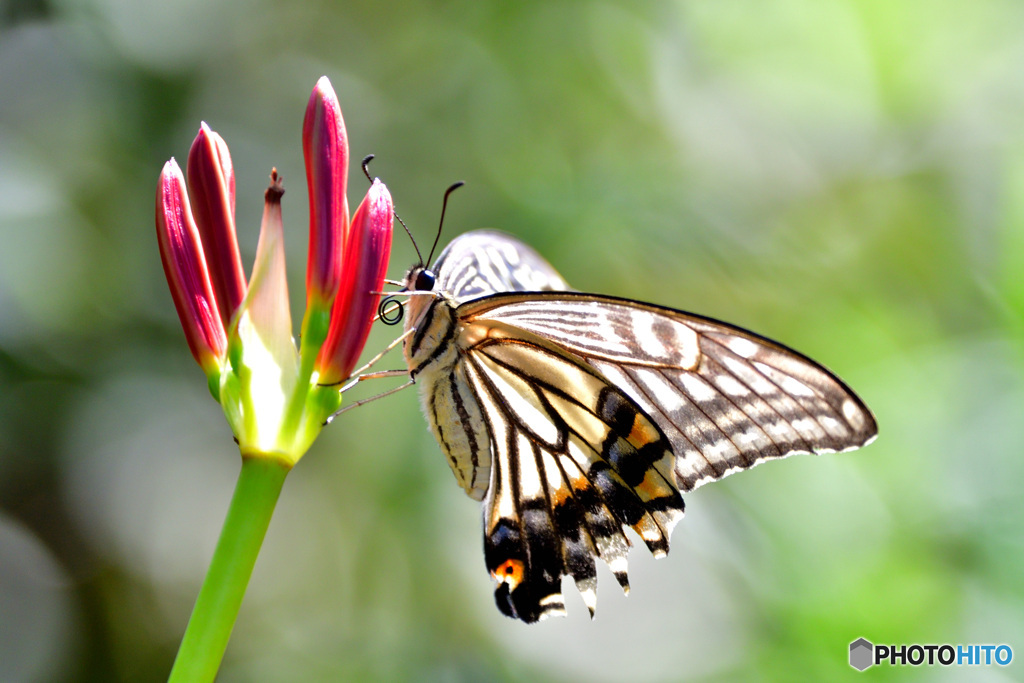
576 416
726 398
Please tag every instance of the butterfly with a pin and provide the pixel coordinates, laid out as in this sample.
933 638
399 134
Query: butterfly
574 416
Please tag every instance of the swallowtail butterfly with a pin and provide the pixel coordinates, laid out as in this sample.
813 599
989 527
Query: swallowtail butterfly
573 416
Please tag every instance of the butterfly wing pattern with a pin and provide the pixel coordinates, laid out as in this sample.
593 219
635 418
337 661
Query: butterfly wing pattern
575 416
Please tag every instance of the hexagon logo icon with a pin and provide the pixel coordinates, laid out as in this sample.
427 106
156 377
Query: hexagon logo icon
862 654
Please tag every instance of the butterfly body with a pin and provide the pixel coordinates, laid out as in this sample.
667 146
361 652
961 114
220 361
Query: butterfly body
575 416
435 359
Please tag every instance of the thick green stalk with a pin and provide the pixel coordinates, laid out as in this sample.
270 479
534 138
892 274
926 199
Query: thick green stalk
213 617
314 332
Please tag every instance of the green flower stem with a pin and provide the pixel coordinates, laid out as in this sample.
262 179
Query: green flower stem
297 403
216 608
314 332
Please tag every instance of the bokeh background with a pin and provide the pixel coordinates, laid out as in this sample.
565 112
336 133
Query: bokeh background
846 176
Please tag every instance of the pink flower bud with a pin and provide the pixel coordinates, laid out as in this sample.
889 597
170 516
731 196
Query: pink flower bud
181 251
325 147
366 261
211 185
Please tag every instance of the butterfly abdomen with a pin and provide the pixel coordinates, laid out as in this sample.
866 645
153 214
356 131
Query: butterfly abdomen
459 427
451 407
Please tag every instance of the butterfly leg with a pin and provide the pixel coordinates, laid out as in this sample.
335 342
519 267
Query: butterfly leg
373 361
372 375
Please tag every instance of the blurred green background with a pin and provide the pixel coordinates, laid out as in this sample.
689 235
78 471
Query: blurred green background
846 176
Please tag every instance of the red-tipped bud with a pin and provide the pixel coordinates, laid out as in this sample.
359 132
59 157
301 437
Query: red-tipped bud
181 251
366 261
211 185
325 147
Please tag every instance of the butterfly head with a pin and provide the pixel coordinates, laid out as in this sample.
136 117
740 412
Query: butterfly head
421 279
419 285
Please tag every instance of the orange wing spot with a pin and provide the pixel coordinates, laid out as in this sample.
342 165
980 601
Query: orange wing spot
559 495
652 487
510 572
579 482
643 432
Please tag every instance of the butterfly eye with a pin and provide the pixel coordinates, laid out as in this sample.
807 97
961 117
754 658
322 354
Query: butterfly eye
424 281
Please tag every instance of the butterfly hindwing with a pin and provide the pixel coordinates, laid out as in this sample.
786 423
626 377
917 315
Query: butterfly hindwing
484 262
575 462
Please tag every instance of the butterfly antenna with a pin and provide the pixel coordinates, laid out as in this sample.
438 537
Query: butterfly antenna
407 232
444 206
366 172
366 166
